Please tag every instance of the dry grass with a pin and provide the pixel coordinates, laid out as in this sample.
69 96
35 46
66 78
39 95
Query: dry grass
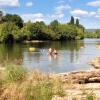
18 84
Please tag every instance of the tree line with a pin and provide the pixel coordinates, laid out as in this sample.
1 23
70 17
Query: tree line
95 34
13 28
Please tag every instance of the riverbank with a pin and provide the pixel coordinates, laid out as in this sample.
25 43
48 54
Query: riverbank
18 84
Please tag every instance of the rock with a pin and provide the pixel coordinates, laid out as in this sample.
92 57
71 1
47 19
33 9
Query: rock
92 76
96 63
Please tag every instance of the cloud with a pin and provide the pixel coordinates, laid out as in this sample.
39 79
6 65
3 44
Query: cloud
29 4
33 17
76 17
59 11
79 12
9 3
97 16
94 3
61 2
92 13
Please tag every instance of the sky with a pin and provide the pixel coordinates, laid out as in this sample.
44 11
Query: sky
87 11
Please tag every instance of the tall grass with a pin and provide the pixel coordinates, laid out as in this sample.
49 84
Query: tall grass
22 85
41 91
14 73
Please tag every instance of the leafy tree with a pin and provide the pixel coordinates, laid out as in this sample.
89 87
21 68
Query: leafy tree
13 29
27 31
54 26
14 19
8 32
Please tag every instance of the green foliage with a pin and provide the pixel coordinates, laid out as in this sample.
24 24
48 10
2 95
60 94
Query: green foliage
14 73
77 22
8 29
72 20
12 29
1 13
54 25
95 34
14 19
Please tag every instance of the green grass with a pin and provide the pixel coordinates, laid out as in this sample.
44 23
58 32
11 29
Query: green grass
14 73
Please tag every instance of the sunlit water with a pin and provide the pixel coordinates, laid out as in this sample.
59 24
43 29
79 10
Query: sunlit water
72 56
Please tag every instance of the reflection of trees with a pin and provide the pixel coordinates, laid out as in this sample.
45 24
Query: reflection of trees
34 56
10 53
64 45
72 46
14 53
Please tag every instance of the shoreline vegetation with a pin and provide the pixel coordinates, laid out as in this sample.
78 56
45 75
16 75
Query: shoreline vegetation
18 84
14 29
94 34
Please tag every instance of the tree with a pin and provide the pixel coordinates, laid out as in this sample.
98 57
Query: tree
77 22
1 13
72 20
14 19
54 26
8 32
27 31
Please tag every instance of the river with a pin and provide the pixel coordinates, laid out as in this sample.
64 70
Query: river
72 56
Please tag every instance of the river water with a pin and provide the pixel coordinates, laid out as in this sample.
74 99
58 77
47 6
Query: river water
72 56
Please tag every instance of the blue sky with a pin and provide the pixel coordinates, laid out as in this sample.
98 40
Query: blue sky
88 11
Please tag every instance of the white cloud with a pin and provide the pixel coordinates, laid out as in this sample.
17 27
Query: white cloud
61 2
76 17
33 17
59 11
97 16
29 4
79 12
98 11
94 3
9 3
92 13
57 16
61 8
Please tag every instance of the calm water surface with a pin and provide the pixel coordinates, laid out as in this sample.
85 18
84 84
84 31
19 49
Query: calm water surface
72 56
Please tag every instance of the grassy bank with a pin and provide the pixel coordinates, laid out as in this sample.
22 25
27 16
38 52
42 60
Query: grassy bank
18 84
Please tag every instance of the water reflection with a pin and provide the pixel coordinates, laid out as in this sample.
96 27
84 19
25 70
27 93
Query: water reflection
52 57
73 55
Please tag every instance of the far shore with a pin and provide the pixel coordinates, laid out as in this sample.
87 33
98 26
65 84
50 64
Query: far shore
34 41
